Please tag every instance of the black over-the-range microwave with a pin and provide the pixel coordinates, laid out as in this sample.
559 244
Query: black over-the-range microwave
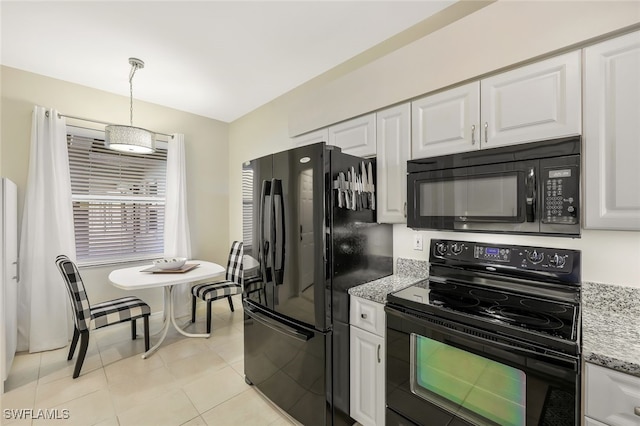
531 188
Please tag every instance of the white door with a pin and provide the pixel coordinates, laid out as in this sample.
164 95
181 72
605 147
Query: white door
394 144
355 137
446 123
531 103
611 396
367 369
611 134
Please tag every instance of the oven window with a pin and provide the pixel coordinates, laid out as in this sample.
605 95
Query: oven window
478 389
480 197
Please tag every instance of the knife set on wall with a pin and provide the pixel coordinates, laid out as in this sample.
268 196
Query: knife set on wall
356 191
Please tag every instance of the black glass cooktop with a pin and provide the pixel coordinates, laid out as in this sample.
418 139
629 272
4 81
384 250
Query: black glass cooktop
493 307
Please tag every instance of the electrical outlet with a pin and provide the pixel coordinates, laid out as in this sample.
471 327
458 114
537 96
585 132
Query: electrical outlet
417 242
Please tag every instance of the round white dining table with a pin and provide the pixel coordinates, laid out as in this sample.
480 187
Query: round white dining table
136 277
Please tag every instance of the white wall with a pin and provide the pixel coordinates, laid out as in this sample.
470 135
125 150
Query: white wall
497 36
206 143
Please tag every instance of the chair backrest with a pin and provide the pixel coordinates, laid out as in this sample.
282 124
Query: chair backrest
234 265
77 294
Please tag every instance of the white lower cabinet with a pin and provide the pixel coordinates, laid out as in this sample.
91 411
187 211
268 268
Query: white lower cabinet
612 397
367 362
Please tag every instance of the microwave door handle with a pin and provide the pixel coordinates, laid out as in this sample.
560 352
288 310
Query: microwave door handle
530 186
278 224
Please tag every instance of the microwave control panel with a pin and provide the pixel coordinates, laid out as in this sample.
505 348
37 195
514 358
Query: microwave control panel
560 195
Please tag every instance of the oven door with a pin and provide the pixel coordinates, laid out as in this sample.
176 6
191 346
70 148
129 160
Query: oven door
443 373
496 197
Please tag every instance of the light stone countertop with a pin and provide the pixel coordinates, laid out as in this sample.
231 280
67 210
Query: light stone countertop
611 327
408 272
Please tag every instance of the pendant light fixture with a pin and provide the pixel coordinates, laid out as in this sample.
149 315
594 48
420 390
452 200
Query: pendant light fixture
129 138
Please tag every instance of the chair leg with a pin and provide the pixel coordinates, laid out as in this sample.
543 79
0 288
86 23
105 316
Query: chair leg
193 309
209 316
74 342
133 330
230 303
84 343
146 333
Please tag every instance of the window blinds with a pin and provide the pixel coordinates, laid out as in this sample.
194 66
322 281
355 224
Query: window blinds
118 202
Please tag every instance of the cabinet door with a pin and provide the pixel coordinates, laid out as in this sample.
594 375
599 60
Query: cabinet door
355 137
535 102
611 129
321 135
367 377
612 397
446 123
394 143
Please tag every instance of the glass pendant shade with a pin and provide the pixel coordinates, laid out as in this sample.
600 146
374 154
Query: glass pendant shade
129 139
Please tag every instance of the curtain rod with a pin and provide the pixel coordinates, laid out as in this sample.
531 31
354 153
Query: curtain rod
101 122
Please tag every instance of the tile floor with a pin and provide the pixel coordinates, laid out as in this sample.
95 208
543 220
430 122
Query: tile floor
188 381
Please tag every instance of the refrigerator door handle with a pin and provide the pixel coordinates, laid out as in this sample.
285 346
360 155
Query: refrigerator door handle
278 236
263 246
302 335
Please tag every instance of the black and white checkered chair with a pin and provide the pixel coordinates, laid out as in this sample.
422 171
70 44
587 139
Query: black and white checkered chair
102 314
210 292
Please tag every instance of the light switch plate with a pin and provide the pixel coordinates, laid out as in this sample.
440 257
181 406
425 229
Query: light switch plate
417 242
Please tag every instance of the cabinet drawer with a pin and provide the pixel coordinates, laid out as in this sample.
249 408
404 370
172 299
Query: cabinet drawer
367 315
612 396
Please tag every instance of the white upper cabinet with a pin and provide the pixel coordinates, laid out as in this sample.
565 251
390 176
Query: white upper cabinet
356 136
321 135
394 146
612 134
531 103
536 102
447 122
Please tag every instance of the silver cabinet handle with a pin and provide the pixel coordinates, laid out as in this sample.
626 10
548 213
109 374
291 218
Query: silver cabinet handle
636 411
473 134
380 361
405 209
486 132
363 316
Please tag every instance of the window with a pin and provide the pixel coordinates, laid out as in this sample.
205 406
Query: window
118 202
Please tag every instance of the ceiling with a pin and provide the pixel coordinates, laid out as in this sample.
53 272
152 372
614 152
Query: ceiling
218 59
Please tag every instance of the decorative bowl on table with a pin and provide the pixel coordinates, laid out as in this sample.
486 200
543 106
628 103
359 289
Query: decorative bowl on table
170 263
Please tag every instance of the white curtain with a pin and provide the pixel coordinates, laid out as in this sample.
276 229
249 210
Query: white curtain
177 239
44 321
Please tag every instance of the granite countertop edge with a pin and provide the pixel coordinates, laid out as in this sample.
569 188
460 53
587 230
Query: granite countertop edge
377 291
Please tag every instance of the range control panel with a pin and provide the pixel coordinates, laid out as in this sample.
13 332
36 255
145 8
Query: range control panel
516 257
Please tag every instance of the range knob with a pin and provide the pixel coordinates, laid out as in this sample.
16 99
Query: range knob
456 248
535 256
441 248
557 260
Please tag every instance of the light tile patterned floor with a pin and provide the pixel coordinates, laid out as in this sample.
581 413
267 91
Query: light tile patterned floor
188 381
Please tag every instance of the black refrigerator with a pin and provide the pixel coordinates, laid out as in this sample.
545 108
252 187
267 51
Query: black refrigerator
310 233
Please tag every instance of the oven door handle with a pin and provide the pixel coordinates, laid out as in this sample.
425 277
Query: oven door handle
476 337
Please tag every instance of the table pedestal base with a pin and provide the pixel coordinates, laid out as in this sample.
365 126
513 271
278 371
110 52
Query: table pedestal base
169 319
